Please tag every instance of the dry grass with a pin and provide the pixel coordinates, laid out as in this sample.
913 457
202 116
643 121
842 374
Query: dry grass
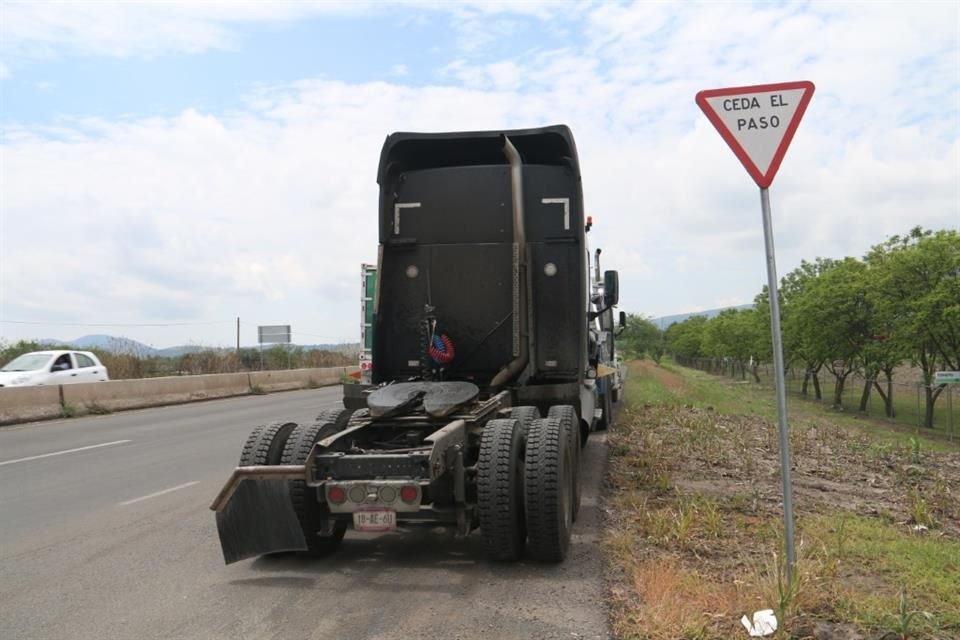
695 525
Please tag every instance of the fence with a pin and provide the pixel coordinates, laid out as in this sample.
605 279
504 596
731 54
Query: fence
908 398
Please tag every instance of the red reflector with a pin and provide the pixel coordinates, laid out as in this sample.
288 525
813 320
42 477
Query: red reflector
408 493
336 495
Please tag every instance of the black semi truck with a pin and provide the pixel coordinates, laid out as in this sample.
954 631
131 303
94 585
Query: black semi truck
485 364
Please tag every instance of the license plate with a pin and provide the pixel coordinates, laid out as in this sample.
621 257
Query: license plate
375 520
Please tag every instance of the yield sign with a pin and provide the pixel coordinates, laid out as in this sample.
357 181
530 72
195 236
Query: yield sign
758 122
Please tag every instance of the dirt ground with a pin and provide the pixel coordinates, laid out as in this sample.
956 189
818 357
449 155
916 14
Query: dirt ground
696 516
670 380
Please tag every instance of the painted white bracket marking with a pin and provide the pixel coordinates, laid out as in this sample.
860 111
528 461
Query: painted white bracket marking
396 214
566 209
160 493
60 453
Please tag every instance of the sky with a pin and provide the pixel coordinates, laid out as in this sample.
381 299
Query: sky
169 167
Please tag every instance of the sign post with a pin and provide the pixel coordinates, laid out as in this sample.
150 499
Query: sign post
758 123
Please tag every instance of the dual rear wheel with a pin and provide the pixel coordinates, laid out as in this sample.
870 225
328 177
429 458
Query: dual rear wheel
290 443
527 486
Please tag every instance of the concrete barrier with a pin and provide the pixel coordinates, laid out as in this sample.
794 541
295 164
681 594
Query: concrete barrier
118 395
22 404
296 378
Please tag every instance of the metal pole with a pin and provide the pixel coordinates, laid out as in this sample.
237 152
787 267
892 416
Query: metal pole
781 385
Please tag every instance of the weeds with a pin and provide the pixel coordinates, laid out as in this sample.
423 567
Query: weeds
257 390
684 519
903 620
920 511
842 536
98 409
68 410
915 449
712 519
788 585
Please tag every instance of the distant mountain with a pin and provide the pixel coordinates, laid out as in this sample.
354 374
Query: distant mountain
182 350
345 347
112 344
666 321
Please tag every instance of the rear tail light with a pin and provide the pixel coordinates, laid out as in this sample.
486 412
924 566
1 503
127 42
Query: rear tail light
336 495
409 493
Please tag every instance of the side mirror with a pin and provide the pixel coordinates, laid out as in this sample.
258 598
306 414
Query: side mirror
611 288
623 319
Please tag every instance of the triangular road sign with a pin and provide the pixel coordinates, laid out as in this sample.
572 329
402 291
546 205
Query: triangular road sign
758 122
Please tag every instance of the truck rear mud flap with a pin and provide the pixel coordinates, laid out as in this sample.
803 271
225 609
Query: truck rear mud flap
254 513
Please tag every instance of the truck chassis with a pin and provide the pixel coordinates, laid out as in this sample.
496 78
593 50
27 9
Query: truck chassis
424 453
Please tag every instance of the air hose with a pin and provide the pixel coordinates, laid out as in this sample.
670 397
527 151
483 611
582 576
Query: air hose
441 349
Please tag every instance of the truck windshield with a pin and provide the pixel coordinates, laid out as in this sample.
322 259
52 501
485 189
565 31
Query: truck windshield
28 362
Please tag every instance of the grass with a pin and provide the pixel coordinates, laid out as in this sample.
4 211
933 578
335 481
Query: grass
909 403
733 397
98 409
68 410
694 538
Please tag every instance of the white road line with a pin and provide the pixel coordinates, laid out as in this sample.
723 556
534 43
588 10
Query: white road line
160 493
60 453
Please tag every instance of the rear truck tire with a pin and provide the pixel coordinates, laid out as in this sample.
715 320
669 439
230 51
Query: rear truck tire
312 514
606 420
615 395
525 415
339 417
266 443
548 498
572 424
500 489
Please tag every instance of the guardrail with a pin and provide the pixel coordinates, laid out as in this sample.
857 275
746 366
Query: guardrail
26 404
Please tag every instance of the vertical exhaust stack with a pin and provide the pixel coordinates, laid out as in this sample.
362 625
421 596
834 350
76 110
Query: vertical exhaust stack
521 285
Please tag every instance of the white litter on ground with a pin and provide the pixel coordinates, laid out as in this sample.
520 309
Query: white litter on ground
764 623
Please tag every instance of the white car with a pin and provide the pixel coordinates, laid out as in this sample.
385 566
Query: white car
53 368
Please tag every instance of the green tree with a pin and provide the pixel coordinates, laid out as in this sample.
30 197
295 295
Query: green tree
918 290
884 348
831 317
685 339
795 347
641 338
733 336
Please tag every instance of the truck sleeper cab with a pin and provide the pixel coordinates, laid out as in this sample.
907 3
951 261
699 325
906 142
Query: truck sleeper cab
482 391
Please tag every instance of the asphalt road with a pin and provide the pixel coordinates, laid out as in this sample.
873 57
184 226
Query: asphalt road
105 532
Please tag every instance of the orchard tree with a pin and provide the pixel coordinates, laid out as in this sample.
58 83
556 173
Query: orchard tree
641 337
918 289
795 347
685 339
884 347
831 317
733 335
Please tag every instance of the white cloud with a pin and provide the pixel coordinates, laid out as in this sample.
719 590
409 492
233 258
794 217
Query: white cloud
267 212
4 72
152 28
